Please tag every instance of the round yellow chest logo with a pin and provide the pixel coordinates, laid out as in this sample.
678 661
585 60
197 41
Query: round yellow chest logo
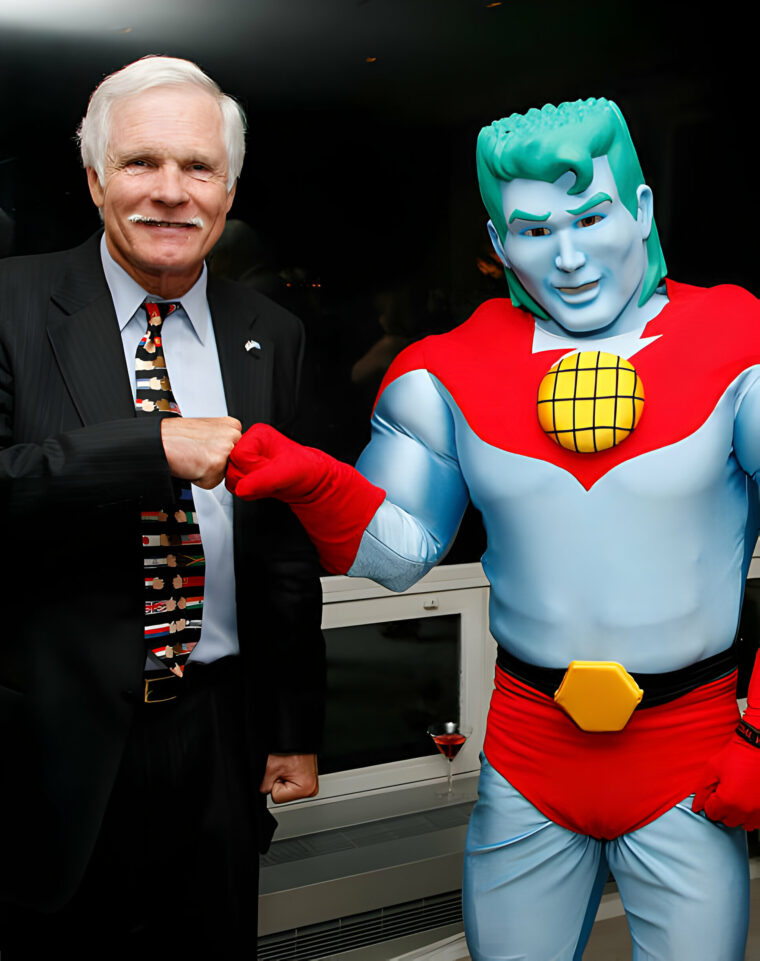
590 401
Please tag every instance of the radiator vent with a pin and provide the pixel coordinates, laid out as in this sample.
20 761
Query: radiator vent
360 930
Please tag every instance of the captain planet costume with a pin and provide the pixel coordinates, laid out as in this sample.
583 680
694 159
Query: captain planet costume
607 426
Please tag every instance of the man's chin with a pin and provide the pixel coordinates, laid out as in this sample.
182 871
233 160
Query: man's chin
172 252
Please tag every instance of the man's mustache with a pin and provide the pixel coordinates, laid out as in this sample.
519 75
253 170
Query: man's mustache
154 222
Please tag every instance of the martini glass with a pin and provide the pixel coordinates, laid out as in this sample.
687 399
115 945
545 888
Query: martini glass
449 738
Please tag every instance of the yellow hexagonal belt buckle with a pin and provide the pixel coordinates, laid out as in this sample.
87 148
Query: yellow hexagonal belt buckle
598 695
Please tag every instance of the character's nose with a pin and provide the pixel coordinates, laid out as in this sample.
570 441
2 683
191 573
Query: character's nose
169 185
568 257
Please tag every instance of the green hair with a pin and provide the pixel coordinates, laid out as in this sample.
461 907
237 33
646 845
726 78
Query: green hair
543 145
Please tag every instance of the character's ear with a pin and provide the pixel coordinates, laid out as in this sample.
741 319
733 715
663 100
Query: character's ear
646 210
497 244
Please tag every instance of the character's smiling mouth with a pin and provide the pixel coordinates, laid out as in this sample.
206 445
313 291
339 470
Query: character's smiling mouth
574 291
152 222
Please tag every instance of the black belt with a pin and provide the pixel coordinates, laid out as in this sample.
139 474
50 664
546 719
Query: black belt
163 686
657 688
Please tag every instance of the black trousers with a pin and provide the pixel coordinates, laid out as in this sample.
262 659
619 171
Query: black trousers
175 868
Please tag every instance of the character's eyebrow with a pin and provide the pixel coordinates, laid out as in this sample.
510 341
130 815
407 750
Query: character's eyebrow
599 198
518 214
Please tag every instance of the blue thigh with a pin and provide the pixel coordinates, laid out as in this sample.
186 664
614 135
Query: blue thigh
531 888
684 883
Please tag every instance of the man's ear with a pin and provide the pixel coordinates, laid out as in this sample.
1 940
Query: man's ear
497 244
231 196
645 211
96 188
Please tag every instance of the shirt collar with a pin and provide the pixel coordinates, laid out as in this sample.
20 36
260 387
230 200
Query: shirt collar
127 295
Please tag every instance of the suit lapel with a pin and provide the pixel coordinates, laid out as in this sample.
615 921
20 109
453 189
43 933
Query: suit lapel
85 338
246 360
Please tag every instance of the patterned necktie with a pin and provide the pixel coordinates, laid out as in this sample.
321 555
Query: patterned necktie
172 549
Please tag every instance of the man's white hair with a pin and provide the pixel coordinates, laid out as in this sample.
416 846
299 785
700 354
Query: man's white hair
95 129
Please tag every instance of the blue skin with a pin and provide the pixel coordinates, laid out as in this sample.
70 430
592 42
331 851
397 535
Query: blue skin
618 597
572 242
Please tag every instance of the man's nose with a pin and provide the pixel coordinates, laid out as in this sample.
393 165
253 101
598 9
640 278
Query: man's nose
169 186
568 257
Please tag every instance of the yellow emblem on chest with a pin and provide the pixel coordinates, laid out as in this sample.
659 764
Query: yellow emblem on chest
590 401
598 695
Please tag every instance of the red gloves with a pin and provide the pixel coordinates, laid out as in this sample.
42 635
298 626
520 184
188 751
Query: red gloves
730 789
332 500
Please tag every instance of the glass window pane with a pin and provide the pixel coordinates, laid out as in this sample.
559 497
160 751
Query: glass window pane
386 682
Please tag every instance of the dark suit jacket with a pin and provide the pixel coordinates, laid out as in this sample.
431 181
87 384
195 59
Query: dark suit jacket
75 465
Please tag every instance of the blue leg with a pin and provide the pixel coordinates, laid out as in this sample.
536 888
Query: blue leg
529 884
684 883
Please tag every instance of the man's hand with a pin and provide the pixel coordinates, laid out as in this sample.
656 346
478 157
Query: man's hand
197 448
289 777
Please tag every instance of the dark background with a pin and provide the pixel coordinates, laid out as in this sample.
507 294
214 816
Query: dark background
359 181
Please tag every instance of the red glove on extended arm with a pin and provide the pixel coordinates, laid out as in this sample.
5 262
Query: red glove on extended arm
332 500
730 786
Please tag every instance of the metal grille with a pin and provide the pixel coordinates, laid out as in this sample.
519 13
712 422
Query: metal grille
361 930
360 836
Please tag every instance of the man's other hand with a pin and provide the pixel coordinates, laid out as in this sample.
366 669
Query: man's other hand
289 777
197 448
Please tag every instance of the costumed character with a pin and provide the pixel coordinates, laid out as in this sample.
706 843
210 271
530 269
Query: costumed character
607 426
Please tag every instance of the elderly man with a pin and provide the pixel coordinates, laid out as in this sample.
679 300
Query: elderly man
607 426
148 705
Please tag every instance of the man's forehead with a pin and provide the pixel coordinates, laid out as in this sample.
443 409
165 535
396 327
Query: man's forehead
539 199
180 102
162 121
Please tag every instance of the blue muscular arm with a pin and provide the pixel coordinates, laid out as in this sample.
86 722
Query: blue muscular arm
356 528
412 456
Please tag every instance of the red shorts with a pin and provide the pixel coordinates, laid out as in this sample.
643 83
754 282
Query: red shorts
605 785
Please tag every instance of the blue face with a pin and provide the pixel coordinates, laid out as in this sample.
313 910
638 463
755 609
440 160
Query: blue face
580 256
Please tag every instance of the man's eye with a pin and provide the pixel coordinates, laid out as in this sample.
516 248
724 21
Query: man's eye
537 232
589 221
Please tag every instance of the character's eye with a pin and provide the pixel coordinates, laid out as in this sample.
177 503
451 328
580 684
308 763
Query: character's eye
536 232
589 221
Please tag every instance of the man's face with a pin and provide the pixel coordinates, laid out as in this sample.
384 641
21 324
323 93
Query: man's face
580 256
165 197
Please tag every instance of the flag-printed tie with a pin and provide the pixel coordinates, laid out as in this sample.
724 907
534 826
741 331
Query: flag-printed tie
173 559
